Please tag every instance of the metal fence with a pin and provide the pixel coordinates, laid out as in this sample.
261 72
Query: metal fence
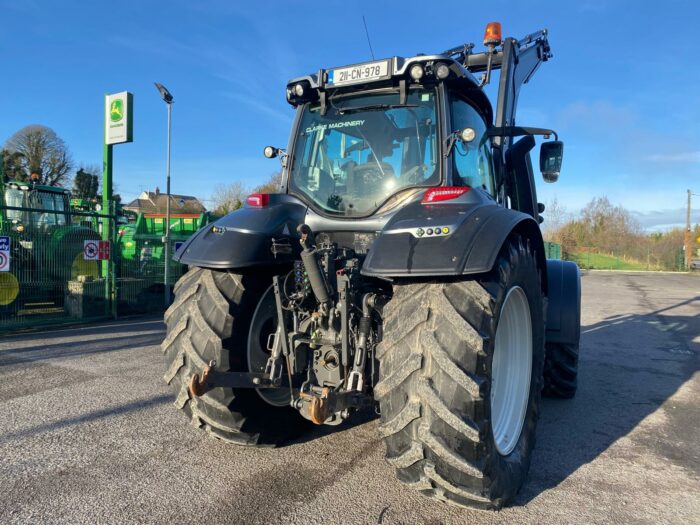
552 250
47 279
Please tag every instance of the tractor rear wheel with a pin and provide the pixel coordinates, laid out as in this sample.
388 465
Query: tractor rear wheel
460 379
210 320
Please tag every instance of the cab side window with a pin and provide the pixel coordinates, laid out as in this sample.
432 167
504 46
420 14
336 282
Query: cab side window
472 161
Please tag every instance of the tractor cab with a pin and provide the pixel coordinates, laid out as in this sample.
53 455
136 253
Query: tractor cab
35 207
370 136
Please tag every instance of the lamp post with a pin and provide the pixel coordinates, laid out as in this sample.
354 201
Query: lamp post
168 99
687 239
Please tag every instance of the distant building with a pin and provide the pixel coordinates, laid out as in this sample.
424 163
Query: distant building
156 202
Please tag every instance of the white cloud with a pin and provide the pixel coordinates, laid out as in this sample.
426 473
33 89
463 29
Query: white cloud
659 220
283 118
681 156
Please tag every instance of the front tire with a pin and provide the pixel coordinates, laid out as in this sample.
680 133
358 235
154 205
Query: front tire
209 321
436 393
561 370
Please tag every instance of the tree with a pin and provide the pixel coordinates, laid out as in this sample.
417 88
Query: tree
86 182
12 164
610 228
228 198
36 149
555 216
273 184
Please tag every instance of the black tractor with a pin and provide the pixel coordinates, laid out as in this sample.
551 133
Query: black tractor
400 267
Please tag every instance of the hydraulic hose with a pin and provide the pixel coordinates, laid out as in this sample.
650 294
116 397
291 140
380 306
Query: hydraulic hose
309 257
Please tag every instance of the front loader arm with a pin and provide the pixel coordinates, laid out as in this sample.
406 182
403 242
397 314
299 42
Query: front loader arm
519 62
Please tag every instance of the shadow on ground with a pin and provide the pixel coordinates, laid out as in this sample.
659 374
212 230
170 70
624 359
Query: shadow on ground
630 366
79 348
126 326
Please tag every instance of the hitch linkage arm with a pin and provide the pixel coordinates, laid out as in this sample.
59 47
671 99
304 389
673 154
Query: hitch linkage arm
213 378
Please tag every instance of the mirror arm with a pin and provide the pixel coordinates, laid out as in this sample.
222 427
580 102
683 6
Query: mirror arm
450 142
517 131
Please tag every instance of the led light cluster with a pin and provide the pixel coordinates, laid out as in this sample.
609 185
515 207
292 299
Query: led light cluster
439 70
431 232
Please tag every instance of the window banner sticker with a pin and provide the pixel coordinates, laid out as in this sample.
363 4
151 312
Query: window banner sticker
334 125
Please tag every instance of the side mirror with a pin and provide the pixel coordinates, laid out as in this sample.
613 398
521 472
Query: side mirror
551 154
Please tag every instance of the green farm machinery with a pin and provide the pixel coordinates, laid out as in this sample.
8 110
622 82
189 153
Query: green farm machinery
45 247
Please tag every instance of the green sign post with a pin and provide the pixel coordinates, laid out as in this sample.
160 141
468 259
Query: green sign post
118 130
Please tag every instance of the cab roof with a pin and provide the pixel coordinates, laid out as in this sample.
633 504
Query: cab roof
398 76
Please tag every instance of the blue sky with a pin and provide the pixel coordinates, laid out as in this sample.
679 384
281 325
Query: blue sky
622 89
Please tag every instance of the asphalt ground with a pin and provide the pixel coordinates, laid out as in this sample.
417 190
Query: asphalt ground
89 434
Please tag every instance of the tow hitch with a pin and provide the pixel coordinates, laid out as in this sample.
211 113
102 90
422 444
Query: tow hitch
212 378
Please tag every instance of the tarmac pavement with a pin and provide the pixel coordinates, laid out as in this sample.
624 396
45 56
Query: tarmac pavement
88 433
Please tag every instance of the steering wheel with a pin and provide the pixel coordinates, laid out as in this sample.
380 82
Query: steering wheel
367 177
415 175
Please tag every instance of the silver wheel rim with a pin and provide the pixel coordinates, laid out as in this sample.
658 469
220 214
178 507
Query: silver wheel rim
511 370
264 322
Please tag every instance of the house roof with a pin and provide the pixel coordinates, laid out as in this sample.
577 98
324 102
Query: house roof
156 202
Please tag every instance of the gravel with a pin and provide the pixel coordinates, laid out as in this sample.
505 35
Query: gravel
88 433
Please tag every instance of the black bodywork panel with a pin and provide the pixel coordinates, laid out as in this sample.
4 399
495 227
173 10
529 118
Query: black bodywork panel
564 302
477 226
244 237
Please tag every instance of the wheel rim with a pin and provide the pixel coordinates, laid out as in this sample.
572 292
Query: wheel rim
511 370
9 288
263 324
80 266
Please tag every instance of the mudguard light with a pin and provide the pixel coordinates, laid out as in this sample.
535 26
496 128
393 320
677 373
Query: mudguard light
444 193
258 200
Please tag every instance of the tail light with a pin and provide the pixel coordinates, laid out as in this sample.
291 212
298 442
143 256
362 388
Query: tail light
258 200
444 193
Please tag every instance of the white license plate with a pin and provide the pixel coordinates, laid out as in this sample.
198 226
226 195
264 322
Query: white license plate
359 73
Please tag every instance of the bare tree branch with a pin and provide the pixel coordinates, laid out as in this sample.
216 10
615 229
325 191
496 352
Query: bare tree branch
39 150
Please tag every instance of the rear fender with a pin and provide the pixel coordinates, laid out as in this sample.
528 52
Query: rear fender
244 237
477 228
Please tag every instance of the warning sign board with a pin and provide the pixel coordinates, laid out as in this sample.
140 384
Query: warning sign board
103 251
96 250
4 253
91 250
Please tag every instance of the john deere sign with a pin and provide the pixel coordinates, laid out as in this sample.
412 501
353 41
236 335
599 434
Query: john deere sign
119 118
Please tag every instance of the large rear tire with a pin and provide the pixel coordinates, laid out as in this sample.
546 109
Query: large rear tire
442 415
209 321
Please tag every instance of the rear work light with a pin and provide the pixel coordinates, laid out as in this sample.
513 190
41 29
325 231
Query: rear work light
443 193
258 200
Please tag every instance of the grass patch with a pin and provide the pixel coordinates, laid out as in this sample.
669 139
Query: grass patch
598 261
